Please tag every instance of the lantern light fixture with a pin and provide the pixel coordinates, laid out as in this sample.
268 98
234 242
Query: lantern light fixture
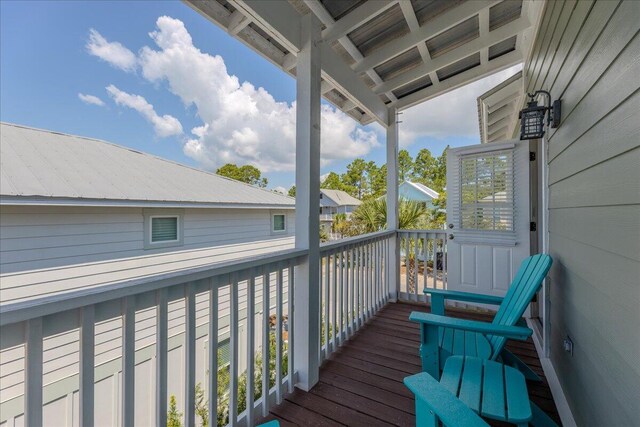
532 117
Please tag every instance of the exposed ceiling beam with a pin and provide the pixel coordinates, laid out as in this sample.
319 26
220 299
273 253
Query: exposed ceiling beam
282 22
412 21
356 18
445 21
325 17
469 76
496 36
483 29
237 22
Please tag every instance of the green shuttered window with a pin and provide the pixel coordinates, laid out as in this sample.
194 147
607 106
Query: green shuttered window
164 229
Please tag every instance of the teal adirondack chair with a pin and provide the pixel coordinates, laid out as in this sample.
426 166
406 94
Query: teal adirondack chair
470 387
443 336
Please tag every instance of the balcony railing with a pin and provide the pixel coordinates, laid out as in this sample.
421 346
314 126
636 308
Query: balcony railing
143 325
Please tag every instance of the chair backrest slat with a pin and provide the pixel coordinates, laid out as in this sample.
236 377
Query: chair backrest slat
525 285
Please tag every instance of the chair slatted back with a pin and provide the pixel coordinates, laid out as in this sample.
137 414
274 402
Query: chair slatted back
525 285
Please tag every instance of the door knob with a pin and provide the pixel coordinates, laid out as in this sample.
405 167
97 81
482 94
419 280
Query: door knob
450 236
450 225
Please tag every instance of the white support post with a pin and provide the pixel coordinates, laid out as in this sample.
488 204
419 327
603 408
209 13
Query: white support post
393 269
307 284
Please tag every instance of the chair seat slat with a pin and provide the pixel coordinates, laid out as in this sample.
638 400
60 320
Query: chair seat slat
493 400
471 385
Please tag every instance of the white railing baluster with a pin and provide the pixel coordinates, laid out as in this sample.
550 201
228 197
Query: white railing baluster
251 312
425 246
352 289
162 353
341 304
378 274
33 373
367 275
128 360
87 363
290 328
358 288
279 335
434 269
416 265
326 306
334 299
190 355
445 272
265 340
234 338
213 350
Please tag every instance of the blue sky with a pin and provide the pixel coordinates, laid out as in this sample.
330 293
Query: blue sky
45 64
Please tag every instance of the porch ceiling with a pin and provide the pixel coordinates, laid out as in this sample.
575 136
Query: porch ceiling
386 53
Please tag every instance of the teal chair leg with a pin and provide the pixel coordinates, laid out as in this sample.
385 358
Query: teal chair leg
425 416
514 361
429 351
540 418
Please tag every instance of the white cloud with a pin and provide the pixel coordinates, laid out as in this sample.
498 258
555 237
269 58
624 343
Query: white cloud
91 99
112 52
281 190
164 126
452 114
241 123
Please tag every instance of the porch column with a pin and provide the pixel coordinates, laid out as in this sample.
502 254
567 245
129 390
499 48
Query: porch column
393 269
307 284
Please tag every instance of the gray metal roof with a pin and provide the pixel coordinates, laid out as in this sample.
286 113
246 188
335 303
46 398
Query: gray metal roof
386 53
38 166
340 198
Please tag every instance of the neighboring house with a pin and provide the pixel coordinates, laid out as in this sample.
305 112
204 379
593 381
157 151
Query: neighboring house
418 192
333 202
77 212
337 201
68 200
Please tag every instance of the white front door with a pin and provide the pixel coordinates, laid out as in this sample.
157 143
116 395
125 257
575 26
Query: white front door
488 215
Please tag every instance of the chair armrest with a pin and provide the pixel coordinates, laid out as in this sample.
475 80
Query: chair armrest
513 332
432 396
465 296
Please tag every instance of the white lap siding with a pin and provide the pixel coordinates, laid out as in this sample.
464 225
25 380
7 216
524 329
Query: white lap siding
35 237
588 54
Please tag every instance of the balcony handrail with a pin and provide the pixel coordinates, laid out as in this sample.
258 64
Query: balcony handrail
350 241
417 230
42 306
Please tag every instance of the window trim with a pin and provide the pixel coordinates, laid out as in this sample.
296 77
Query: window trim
150 214
272 216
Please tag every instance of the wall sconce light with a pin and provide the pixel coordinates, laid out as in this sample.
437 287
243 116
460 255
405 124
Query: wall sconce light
532 117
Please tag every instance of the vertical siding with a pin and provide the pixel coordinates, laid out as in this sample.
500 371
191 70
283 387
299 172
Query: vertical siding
44 237
589 55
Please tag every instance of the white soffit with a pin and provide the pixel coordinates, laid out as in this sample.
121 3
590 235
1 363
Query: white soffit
498 109
386 53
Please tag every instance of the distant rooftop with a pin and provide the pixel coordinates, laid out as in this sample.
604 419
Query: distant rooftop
340 198
423 189
45 167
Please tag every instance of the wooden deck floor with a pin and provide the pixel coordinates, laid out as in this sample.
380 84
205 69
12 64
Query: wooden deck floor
361 384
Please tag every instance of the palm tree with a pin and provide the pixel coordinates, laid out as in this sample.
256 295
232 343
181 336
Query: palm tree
372 216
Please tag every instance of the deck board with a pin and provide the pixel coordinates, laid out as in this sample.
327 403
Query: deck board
361 383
